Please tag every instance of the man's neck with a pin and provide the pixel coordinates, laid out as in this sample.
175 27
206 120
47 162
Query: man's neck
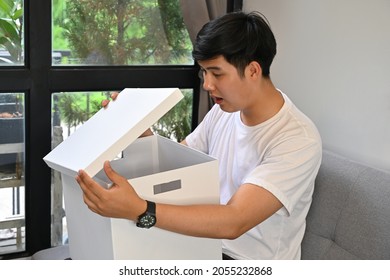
267 103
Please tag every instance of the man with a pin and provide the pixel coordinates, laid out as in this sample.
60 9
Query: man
269 152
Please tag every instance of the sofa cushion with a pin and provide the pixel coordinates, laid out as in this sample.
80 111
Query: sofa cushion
350 214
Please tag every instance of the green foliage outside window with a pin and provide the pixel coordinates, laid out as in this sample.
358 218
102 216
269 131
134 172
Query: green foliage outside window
176 124
76 108
11 28
123 32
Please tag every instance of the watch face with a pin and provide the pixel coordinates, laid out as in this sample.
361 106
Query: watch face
147 221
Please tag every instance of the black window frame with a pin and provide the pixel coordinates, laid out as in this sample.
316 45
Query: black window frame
38 79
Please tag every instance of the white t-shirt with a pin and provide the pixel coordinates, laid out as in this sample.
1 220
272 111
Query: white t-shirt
282 155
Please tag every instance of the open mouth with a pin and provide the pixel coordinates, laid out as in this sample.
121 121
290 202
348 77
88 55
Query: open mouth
217 100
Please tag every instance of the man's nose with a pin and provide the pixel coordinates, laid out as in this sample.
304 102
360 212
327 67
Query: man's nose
207 84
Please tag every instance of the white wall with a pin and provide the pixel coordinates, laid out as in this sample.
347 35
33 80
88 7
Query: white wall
334 62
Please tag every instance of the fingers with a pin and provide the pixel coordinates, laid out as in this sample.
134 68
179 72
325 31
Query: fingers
88 196
91 189
147 132
114 177
91 204
113 96
105 103
119 201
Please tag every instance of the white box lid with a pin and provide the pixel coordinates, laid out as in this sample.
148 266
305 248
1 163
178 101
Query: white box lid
112 129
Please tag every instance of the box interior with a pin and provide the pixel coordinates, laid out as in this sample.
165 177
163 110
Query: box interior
151 155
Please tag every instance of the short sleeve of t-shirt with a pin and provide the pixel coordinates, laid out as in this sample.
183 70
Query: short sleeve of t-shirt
287 169
280 155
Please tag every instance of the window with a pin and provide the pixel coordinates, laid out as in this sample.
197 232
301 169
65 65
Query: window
51 65
12 127
101 32
52 68
12 229
11 33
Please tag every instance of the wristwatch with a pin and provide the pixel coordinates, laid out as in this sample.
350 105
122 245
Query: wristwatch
148 219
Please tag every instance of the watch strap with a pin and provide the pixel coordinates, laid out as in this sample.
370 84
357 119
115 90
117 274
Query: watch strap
150 208
149 214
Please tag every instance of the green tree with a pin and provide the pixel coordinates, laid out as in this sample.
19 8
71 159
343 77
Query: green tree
76 108
71 113
174 28
121 32
176 124
11 28
59 42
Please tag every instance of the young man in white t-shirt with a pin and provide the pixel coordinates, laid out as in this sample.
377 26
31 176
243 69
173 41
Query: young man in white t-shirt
269 152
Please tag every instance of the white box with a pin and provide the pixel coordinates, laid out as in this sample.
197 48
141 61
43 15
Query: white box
159 169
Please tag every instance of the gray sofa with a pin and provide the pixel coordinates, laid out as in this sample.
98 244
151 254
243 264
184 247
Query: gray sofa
350 214
349 217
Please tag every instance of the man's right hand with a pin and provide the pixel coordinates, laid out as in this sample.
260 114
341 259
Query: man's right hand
106 101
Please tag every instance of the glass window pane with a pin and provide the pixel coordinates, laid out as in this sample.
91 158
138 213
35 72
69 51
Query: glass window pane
12 219
11 33
117 32
72 109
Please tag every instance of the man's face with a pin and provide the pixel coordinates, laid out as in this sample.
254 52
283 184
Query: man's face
224 84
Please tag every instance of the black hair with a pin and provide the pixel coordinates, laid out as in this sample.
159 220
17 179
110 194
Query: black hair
240 38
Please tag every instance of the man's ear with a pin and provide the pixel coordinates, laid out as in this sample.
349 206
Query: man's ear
254 70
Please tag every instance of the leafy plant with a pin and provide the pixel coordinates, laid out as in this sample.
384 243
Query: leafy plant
71 113
176 124
11 28
124 32
76 108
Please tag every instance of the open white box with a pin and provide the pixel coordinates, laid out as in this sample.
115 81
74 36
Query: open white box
159 169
